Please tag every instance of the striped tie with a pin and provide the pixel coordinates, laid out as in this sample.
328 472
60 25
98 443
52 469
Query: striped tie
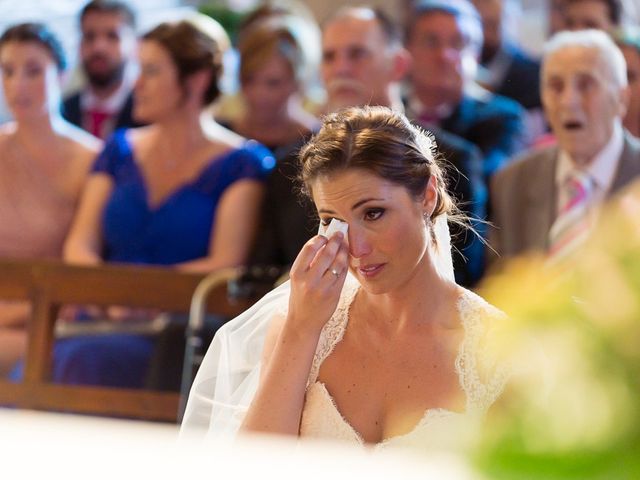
573 224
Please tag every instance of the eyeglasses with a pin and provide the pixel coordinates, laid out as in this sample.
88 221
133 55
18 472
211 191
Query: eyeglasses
433 42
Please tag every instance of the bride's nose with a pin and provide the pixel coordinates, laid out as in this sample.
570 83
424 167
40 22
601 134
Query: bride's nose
359 242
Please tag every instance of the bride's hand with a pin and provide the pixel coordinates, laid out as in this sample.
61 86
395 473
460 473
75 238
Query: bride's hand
317 277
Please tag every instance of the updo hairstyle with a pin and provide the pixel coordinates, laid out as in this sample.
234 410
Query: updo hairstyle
381 141
193 49
39 34
269 37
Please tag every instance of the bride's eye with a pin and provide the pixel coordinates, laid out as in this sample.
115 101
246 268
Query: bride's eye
326 221
373 213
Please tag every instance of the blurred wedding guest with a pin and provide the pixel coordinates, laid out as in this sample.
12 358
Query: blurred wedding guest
628 40
44 162
107 56
183 191
302 25
505 68
585 14
273 69
273 72
555 19
547 200
445 40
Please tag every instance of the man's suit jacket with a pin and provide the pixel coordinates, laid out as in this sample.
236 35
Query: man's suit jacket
73 113
524 196
521 80
463 171
495 124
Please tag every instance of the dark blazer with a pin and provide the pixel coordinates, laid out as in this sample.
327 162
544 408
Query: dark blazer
288 219
463 170
523 197
73 113
521 80
493 123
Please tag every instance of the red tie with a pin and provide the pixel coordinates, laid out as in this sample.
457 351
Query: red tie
96 122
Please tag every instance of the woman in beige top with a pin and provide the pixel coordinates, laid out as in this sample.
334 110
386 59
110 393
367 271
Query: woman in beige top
43 164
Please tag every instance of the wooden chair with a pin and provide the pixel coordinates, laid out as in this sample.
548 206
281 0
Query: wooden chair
50 284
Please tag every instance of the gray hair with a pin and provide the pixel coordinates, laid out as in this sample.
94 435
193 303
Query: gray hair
595 39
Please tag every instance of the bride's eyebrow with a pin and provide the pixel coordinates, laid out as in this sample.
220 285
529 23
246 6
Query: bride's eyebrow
356 205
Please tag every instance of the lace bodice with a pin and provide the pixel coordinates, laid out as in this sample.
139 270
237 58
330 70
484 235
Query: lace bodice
481 379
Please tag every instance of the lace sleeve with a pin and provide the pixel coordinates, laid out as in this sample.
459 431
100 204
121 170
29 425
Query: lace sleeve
482 374
333 331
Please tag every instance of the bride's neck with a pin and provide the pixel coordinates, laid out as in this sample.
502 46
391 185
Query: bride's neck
422 299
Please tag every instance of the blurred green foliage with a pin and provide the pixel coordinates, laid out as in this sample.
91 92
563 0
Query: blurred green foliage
229 19
572 410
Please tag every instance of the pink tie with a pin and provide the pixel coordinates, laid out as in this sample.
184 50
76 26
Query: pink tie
96 122
572 226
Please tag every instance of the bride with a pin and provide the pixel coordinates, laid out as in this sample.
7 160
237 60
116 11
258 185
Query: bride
371 341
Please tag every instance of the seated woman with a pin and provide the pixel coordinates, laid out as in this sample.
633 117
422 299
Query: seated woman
44 161
371 341
273 67
183 191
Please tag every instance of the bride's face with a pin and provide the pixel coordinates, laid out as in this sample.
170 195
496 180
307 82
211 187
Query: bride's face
387 235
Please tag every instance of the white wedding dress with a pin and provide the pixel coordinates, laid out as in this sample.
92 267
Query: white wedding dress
227 380
480 379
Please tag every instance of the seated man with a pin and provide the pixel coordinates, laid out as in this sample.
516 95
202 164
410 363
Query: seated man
445 40
107 50
545 201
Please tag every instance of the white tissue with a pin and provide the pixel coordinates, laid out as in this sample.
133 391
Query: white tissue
334 226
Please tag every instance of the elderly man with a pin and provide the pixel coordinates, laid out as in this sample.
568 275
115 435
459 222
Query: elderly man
363 61
546 200
107 50
445 38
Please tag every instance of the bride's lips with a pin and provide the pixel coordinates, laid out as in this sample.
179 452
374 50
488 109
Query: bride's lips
370 271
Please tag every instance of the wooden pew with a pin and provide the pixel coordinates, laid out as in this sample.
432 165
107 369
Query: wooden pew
50 284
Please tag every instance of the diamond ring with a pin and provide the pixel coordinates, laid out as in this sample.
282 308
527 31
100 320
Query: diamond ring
335 272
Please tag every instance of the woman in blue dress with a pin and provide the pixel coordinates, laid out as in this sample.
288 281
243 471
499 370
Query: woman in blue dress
183 191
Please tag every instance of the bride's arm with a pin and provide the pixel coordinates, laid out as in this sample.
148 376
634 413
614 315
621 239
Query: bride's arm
287 358
291 344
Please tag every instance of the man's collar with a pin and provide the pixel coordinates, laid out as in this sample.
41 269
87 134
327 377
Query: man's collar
114 102
416 109
604 164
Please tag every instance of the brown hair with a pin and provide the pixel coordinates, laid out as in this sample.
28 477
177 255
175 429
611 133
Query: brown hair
192 50
36 33
110 6
271 36
381 141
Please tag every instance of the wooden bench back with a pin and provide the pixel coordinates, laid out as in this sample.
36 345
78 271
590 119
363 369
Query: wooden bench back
50 284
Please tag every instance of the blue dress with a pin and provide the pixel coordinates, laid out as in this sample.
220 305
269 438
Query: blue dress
177 230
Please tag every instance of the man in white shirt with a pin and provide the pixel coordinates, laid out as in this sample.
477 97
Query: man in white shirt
546 200
107 52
